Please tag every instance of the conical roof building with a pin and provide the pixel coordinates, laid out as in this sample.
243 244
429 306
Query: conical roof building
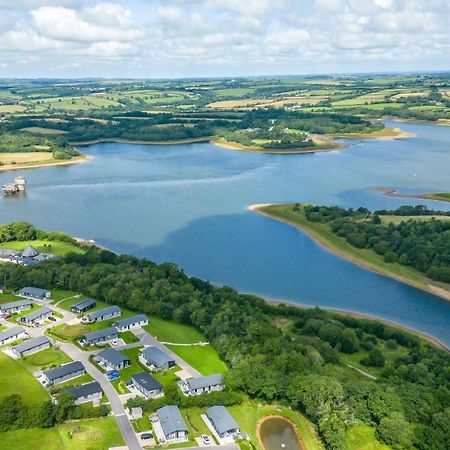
30 252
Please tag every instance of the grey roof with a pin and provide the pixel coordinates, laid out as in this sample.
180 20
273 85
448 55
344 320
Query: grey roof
84 303
104 312
131 320
111 331
204 382
171 419
113 356
83 390
62 371
15 304
222 419
146 381
157 356
30 252
34 291
32 343
10 332
36 314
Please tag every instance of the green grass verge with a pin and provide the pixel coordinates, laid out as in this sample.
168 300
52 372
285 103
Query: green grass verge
91 434
16 379
44 359
170 331
45 246
322 233
203 358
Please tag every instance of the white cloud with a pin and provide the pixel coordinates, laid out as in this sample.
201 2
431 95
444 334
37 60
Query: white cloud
214 37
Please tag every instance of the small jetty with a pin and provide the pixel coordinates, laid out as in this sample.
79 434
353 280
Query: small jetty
16 187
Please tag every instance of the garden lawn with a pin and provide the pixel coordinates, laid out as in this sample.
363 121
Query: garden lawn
54 247
16 379
170 331
203 358
44 359
90 434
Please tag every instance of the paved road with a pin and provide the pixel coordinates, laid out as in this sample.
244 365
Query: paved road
148 339
118 409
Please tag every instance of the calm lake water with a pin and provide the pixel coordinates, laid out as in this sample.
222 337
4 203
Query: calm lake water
187 204
277 433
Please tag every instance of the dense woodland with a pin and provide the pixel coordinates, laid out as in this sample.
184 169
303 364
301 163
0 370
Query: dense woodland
422 244
279 354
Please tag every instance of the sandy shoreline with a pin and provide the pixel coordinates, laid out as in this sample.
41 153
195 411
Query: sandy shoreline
78 159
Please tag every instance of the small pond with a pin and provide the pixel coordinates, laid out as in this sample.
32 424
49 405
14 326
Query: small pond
278 433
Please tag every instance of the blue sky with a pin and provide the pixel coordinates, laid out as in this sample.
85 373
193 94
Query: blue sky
207 38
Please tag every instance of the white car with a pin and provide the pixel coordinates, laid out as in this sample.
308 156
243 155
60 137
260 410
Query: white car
205 439
114 343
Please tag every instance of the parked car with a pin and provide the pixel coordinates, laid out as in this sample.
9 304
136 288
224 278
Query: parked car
113 342
146 436
113 375
206 439
5 316
52 319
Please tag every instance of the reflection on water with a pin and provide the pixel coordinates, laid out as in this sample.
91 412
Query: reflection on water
277 433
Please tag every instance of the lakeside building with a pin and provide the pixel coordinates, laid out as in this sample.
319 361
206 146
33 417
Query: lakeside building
32 346
28 257
99 337
172 423
36 318
155 359
15 307
131 322
63 373
83 306
12 334
102 314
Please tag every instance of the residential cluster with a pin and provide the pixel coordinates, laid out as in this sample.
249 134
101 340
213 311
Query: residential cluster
33 314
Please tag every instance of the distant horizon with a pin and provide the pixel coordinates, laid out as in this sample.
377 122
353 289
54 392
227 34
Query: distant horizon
231 77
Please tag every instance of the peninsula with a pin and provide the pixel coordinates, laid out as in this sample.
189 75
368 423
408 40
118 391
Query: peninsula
347 235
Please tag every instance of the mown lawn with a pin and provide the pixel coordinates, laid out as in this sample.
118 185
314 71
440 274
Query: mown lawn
44 359
203 358
362 437
250 412
91 434
45 246
170 331
16 379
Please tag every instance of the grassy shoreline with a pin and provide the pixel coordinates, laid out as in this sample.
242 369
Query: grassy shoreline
48 163
362 257
439 196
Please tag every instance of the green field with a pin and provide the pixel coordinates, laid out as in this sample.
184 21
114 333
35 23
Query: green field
203 358
16 379
44 359
322 233
169 331
90 434
54 247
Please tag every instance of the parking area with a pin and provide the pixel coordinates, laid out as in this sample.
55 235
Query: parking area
205 441
221 441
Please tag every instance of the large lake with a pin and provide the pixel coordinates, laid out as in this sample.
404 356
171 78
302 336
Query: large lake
187 204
